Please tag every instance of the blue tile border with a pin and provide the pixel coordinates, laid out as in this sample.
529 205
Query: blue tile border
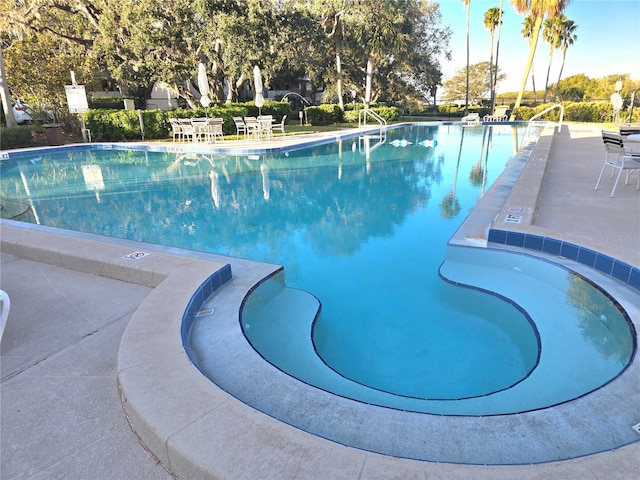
603 263
215 281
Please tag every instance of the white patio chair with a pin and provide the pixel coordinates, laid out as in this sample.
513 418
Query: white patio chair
199 128
176 129
241 127
213 130
4 310
187 128
280 126
253 127
618 157
265 124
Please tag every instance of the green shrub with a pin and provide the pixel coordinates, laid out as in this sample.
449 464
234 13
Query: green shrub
113 125
390 114
16 137
108 103
270 107
594 112
324 114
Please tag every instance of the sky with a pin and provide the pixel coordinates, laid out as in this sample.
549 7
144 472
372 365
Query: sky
608 41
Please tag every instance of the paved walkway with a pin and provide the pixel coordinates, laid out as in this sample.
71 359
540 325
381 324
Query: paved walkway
61 413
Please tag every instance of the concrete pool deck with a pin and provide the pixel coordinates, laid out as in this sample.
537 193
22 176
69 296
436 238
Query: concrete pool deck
61 412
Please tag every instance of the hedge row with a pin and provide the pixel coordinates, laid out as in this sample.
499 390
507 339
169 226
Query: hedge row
328 114
122 125
591 112
119 125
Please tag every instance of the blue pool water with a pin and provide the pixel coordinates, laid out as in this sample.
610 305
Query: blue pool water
361 224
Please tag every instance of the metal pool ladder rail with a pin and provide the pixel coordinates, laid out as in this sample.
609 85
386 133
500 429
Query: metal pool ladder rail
362 117
532 119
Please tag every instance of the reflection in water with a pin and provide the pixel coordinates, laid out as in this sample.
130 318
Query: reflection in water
323 201
93 179
600 321
450 206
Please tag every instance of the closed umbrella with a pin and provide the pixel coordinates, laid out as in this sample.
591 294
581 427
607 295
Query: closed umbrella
257 80
203 85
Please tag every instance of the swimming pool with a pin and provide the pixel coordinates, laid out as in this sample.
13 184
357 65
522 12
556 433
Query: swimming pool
362 224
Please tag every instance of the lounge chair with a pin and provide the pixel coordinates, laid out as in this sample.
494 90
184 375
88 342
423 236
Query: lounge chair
499 114
618 157
472 119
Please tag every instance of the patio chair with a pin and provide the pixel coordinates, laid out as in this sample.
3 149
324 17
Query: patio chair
199 128
253 127
280 126
618 157
499 114
176 129
4 311
241 127
472 119
265 123
213 130
187 128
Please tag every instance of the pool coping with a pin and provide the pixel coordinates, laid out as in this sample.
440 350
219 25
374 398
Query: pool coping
240 442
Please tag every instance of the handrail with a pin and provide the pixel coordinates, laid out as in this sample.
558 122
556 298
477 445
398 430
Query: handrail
559 124
548 110
362 117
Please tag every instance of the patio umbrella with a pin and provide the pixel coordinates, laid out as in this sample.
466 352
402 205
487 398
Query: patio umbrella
257 80
203 85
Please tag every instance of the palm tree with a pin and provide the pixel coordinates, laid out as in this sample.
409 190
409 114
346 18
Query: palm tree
527 32
495 79
568 39
491 20
538 10
383 27
466 99
551 35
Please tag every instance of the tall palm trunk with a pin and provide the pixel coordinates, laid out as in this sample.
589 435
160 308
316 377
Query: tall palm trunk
466 101
564 56
546 83
495 78
525 76
491 76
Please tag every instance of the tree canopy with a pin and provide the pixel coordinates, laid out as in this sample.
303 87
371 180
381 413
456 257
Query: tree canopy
387 50
479 82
